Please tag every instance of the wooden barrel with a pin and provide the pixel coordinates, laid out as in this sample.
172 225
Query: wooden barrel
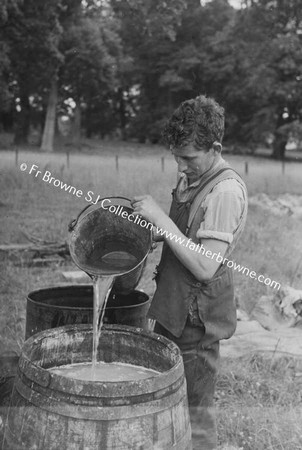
67 305
50 411
6 387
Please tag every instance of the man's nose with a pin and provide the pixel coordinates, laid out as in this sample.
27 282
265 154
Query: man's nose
182 165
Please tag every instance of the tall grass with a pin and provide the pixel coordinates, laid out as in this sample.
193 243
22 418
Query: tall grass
259 403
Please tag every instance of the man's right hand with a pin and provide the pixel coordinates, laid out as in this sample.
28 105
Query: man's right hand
157 237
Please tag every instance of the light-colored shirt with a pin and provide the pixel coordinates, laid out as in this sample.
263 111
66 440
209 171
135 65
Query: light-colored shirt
223 210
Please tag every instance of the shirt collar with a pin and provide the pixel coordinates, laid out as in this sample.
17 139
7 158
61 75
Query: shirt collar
185 182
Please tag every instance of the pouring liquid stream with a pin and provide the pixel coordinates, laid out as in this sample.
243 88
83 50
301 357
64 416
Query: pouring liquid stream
101 290
115 262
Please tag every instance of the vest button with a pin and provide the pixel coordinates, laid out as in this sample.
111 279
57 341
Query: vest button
198 284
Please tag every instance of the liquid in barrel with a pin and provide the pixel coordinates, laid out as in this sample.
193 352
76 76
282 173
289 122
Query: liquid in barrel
112 372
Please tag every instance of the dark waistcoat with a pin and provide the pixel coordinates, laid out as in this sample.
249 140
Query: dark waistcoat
177 288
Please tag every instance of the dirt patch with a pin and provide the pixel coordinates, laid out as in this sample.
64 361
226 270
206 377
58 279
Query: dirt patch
274 326
286 204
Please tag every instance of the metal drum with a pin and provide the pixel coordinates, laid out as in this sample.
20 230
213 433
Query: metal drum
65 305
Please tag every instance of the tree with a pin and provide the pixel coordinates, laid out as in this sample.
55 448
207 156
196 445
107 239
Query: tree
259 61
49 126
91 47
189 69
147 29
6 95
32 32
171 67
278 72
68 11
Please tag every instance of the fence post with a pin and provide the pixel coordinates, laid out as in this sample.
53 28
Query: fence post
246 165
16 155
162 163
283 167
116 163
67 159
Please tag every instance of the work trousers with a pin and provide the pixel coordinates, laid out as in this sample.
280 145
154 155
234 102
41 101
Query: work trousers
201 368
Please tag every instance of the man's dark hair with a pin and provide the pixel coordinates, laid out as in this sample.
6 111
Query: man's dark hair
199 121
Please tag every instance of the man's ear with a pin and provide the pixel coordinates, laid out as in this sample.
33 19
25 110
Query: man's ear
217 147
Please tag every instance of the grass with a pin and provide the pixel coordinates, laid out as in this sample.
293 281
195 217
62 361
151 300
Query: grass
259 403
258 399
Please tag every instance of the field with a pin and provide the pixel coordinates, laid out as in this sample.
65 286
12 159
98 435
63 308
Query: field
258 399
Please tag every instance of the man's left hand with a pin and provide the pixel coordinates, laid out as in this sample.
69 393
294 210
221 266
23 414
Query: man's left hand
145 206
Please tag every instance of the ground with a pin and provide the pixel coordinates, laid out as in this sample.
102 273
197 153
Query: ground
258 399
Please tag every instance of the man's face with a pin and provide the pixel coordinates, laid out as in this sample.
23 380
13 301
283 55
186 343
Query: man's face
192 162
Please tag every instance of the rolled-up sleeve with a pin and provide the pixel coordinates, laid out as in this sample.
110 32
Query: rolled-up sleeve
223 209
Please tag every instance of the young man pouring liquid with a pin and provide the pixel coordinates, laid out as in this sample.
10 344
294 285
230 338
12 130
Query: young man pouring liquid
194 301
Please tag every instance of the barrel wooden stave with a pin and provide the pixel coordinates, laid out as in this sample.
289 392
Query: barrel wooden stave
147 432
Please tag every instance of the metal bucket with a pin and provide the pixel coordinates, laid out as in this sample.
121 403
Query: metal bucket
98 232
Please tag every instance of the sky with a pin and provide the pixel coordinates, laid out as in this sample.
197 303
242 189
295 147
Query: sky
234 3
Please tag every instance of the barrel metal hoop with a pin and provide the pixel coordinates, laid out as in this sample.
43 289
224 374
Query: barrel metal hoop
34 373
97 413
103 400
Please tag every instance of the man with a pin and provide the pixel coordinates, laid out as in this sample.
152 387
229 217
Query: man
194 301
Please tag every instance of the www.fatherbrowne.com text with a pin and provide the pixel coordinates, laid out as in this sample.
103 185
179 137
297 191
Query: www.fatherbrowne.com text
187 242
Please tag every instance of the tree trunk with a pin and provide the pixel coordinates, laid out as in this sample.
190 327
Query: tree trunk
88 126
279 147
170 104
122 112
23 121
49 127
76 135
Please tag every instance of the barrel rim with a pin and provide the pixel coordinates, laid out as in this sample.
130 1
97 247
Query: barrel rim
43 377
80 308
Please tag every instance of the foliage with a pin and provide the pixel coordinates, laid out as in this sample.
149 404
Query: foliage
127 64
90 47
147 30
31 34
6 7
265 66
